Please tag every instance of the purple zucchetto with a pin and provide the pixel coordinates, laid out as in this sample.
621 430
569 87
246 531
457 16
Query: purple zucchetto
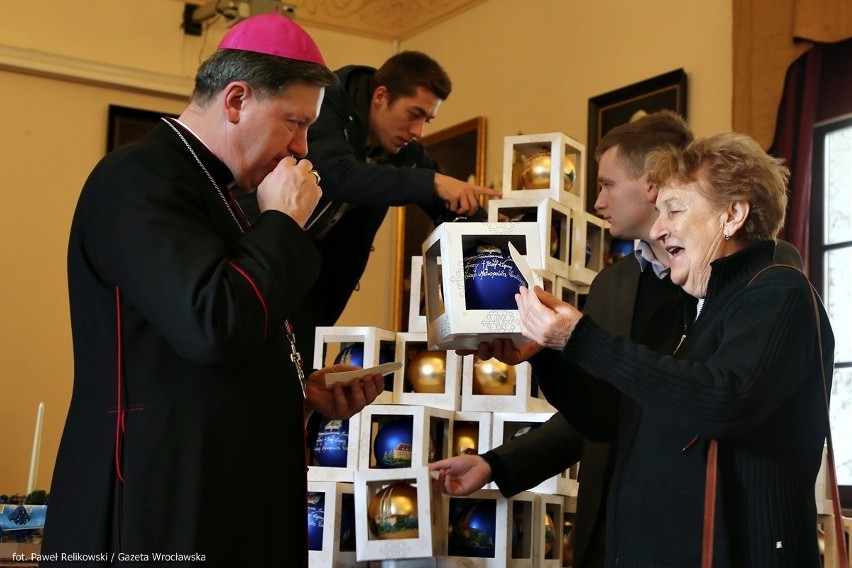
273 34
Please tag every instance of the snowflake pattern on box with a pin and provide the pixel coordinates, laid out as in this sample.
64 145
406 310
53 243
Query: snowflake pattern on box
501 228
457 277
500 321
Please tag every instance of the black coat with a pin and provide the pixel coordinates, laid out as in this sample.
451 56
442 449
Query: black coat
746 374
210 440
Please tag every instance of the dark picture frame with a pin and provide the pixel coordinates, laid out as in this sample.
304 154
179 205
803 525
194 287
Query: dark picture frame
606 111
460 150
126 124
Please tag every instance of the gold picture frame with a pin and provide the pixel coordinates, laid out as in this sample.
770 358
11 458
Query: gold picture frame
460 150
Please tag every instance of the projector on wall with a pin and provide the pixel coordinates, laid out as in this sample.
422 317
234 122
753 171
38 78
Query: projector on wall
235 11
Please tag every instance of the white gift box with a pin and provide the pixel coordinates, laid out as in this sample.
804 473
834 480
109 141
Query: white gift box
547 530
571 501
554 220
514 528
336 521
574 294
330 341
508 425
317 472
589 248
508 550
548 281
563 150
416 300
426 542
450 324
568 518
409 346
525 398
471 432
431 433
822 488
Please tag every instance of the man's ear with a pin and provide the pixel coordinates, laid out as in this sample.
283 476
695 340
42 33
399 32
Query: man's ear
236 94
735 216
380 96
651 195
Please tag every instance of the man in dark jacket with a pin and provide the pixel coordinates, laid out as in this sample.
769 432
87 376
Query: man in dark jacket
365 145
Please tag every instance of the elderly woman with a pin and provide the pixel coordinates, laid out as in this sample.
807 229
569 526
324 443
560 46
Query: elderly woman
747 372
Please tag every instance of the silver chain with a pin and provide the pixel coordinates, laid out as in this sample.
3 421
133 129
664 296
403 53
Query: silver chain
288 327
204 169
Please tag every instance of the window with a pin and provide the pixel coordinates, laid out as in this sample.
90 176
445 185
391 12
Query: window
832 251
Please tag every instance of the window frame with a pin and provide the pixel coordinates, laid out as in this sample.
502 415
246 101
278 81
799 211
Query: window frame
818 247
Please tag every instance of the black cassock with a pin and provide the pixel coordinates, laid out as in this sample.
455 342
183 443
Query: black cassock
183 383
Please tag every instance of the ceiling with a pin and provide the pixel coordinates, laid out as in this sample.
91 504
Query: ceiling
381 19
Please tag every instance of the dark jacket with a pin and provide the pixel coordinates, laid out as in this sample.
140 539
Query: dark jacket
177 319
526 461
366 183
746 374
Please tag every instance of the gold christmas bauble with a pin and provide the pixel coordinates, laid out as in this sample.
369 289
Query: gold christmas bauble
427 372
493 377
465 438
392 512
536 173
549 535
567 545
554 242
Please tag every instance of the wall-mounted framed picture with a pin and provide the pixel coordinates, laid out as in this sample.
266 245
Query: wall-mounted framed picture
666 91
460 149
126 124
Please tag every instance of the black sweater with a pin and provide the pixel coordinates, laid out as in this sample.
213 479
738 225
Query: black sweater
747 374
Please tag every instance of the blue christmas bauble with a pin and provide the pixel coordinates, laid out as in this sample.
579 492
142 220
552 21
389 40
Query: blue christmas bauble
619 248
347 522
491 280
474 530
517 536
332 443
316 514
392 444
353 354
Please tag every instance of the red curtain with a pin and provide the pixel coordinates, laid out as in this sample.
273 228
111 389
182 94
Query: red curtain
818 87
794 142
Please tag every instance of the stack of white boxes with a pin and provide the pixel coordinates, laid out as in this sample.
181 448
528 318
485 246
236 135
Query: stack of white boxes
565 247
574 241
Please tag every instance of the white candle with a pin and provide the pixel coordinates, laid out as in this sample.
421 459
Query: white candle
36 447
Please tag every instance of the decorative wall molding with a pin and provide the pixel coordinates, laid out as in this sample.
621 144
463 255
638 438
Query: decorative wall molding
386 19
93 73
378 19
